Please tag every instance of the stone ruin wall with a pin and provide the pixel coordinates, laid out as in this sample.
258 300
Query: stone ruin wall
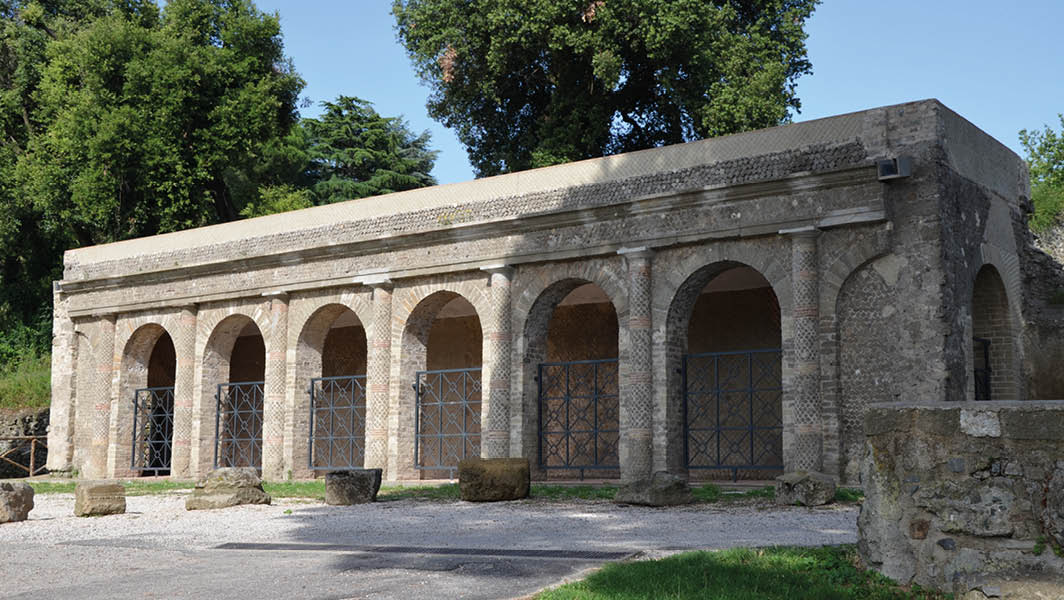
966 495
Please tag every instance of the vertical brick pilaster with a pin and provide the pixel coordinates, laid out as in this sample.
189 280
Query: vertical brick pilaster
64 369
636 454
495 439
807 449
378 370
185 349
101 395
273 418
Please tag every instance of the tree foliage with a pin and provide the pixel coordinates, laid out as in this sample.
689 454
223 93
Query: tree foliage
528 84
1045 158
355 152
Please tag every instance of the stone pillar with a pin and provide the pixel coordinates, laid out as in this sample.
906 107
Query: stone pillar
101 395
495 439
378 374
184 387
637 406
807 443
64 369
273 466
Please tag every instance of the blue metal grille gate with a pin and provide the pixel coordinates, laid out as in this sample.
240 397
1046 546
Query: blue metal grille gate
337 422
579 415
238 425
733 411
153 430
447 419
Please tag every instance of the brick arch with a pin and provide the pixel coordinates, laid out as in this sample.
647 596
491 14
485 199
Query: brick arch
305 357
414 310
219 331
673 270
677 326
533 348
136 340
543 283
994 318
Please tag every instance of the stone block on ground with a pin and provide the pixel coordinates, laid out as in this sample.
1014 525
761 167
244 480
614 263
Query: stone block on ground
16 501
98 498
227 486
358 486
493 479
662 489
805 488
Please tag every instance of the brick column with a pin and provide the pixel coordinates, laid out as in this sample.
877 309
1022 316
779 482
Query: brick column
64 369
807 443
101 395
185 348
378 373
637 406
495 439
273 466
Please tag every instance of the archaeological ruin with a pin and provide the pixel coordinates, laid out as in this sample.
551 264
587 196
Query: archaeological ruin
719 309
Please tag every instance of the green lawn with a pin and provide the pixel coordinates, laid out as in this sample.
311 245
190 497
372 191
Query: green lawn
828 573
708 493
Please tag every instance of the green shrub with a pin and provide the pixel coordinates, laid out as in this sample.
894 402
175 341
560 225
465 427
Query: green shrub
26 382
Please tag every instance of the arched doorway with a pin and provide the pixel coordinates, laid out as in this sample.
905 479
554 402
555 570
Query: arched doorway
441 349
725 345
572 345
234 368
331 364
993 352
148 373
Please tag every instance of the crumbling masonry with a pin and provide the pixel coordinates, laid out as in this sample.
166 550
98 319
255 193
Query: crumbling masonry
723 308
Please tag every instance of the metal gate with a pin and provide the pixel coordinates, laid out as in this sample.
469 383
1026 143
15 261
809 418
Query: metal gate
982 368
238 425
733 411
579 415
153 430
337 422
447 420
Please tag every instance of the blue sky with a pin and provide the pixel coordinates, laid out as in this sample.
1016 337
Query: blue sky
999 64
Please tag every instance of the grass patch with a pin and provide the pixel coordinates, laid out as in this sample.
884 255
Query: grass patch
850 495
828 573
448 491
133 487
572 492
711 493
26 382
52 487
296 489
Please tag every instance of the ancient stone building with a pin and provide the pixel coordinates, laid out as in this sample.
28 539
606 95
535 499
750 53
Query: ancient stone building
724 308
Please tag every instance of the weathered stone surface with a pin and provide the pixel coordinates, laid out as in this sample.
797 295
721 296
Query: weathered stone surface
805 488
228 486
16 501
493 479
662 489
97 498
343 488
957 508
19 423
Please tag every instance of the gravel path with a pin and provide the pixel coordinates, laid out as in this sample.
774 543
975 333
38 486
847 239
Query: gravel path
159 550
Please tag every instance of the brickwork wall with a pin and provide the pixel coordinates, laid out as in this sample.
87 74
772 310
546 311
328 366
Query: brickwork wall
990 321
344 352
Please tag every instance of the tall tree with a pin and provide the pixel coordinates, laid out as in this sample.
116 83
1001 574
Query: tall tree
150 121
1045 158
355 152
120 119
528 84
